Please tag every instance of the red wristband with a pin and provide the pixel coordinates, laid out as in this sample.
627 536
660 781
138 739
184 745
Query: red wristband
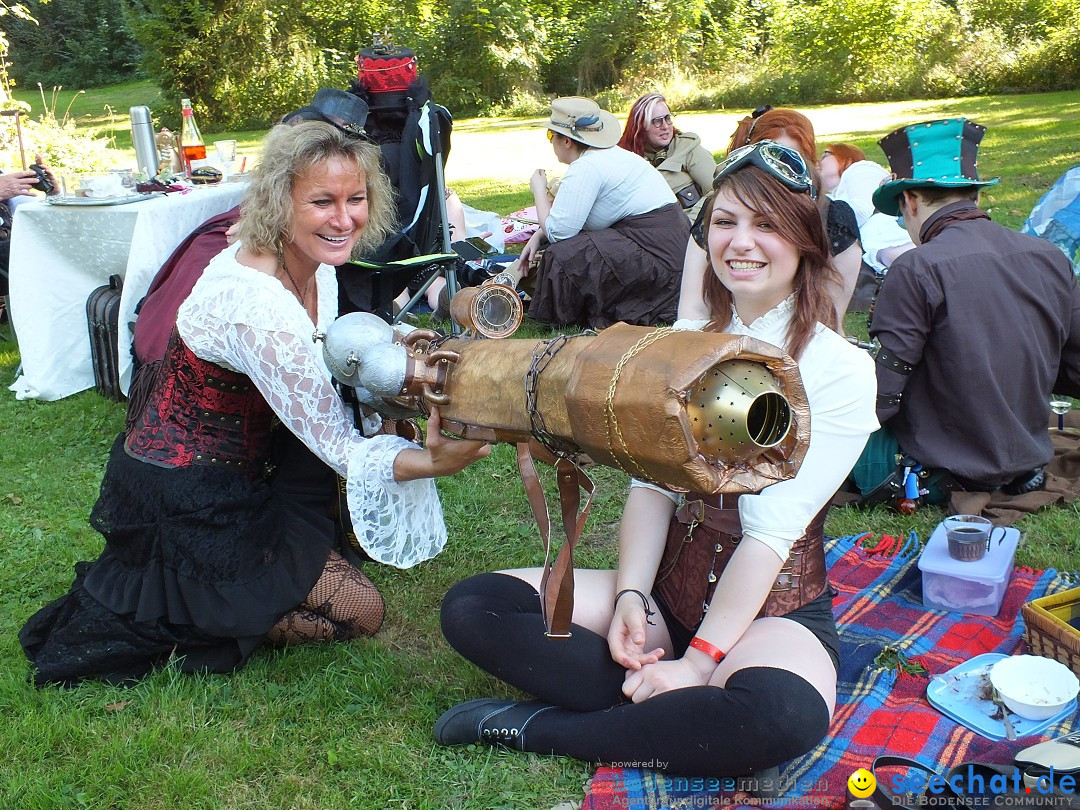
715 653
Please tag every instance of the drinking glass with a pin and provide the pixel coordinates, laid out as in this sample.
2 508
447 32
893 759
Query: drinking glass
1060 407
226 152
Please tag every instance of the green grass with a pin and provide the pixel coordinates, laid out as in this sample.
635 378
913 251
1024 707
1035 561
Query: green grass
349 725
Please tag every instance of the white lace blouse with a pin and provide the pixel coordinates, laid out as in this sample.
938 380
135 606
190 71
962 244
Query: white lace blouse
247 321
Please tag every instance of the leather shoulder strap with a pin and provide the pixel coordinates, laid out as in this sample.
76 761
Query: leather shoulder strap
557 582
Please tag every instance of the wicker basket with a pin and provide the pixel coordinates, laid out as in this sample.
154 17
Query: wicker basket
1046 628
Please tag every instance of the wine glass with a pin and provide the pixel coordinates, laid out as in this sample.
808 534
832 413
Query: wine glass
226 152
1060 407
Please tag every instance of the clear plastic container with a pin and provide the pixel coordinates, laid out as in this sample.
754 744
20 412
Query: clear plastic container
963 586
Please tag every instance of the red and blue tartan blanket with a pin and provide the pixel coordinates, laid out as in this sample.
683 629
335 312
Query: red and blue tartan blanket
880 708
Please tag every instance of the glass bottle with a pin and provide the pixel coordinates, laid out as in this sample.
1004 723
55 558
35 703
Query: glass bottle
192 146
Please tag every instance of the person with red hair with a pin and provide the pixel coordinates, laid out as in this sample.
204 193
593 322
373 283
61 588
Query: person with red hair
847 175
793 130
835 160
686 165
711 650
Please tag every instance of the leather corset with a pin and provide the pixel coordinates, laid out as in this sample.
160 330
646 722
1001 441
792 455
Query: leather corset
702 537
200 413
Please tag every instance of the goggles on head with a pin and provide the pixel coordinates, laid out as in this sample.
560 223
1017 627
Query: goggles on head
786 165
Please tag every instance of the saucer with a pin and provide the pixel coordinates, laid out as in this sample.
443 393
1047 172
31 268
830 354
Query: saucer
956 694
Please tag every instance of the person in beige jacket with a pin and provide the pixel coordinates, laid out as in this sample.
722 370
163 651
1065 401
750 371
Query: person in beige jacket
678 156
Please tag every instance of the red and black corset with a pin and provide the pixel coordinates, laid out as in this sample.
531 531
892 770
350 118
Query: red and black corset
200 413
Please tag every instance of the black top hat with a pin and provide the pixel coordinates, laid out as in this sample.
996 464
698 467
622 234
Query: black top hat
344 110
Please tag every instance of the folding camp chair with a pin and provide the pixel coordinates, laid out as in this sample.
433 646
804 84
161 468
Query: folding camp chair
414 135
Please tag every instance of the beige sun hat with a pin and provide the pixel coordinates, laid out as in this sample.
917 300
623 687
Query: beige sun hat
583 120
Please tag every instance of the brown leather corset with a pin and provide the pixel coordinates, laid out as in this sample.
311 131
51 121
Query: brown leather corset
200 413
702 537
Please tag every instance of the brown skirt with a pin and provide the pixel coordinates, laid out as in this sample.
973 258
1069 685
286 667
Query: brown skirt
629 272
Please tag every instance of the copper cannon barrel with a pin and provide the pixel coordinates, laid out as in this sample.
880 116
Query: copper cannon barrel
691 411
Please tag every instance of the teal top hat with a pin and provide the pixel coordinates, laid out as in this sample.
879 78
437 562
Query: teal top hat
933 154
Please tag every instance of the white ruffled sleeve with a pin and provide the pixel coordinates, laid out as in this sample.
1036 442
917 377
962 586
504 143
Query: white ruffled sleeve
247 321
397 523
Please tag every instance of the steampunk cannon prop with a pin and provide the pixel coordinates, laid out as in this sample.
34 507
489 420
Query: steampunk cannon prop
690 411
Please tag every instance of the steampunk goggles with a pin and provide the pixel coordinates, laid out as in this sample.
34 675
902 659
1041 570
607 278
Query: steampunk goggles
785 164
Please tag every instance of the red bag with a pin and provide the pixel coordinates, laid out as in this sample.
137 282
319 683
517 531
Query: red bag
385 69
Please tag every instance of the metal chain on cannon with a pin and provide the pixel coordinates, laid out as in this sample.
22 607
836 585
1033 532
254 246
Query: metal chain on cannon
542 354
612 421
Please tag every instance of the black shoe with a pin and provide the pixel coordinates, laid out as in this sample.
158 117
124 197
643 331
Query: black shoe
488 720
1026 482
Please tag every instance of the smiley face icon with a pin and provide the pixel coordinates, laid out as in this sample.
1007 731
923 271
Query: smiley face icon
861 783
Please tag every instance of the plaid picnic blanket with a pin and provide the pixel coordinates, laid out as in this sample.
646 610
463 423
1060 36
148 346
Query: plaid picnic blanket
881 708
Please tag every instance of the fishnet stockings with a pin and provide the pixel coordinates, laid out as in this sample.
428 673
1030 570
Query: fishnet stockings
343 604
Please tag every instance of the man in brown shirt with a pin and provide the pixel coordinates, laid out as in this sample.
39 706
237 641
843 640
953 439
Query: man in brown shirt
977 325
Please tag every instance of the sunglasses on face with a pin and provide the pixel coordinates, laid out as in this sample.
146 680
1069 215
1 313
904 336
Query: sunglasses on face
660 121
786 165
551 135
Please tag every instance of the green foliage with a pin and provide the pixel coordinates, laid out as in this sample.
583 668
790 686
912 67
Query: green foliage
242 64
81 42
879 46
479 54
66 147
245 62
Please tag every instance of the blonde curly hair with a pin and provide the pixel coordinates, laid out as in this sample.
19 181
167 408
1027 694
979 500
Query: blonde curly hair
290 151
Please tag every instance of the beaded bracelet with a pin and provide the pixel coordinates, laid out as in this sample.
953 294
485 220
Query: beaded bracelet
711 650
644 601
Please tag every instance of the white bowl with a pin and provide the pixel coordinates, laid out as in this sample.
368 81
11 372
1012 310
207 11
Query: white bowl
1032 686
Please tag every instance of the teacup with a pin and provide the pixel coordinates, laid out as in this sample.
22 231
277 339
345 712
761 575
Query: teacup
970 536
108 185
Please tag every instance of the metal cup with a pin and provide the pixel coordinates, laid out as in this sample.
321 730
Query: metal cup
969 536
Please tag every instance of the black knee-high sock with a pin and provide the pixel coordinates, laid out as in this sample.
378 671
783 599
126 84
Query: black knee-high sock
494 620
763 717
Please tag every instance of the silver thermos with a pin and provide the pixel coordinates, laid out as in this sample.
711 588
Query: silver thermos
142 135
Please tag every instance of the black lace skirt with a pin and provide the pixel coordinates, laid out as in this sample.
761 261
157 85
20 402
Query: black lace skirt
199 562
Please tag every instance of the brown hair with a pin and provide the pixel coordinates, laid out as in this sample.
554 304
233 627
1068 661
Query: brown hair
638 123
795 217
774 123
845 154
939 195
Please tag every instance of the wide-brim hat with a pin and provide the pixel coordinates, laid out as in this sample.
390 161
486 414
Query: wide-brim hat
344 110
933 154
583 120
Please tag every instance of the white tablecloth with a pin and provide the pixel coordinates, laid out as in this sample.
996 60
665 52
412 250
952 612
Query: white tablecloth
60 254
